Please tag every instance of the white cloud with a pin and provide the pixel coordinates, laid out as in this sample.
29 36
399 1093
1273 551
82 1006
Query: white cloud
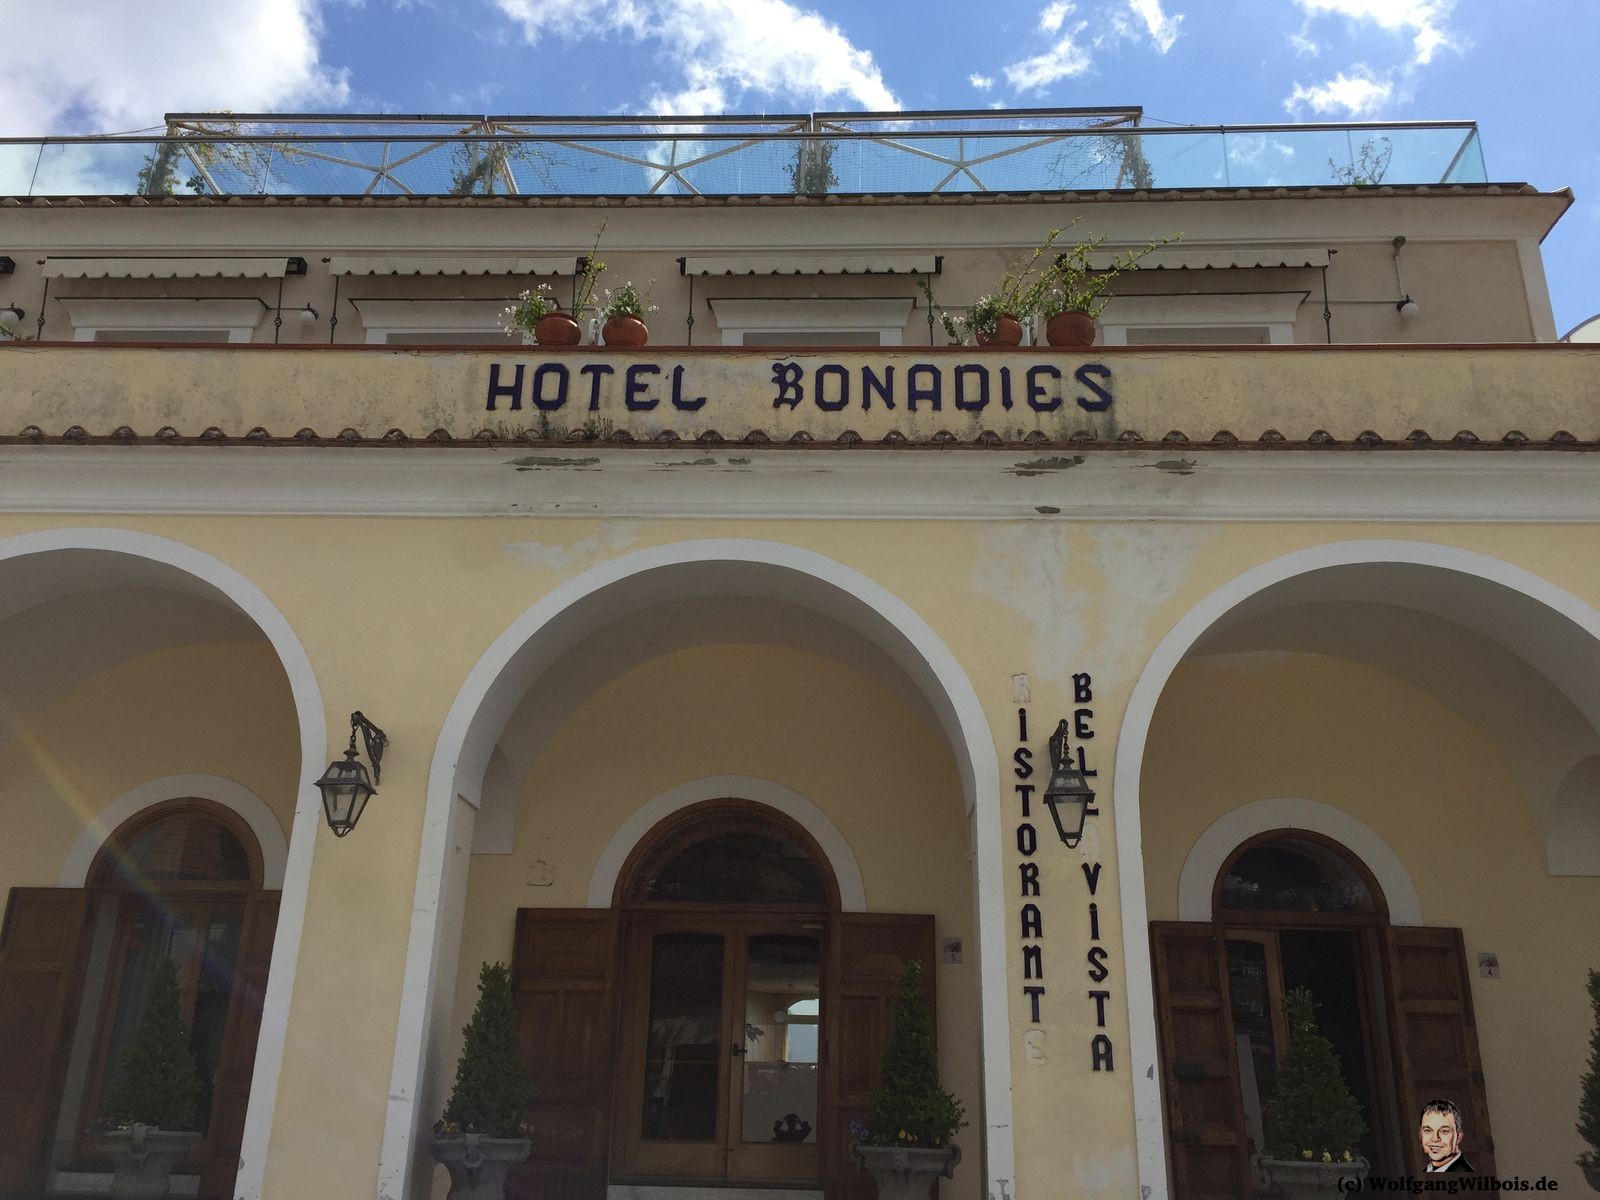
78 67
1053 15
1355 94
1163 30
724 48
982 82
1304 46
1062 61
1426 20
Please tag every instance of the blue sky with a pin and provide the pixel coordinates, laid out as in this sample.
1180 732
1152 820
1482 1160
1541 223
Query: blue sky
1525 70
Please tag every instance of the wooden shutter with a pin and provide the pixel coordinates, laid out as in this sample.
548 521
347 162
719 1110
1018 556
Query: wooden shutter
867 953
1436 1037
41 951
1206 1140
236 1063
563 972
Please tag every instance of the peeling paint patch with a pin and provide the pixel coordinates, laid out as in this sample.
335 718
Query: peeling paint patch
738 462
614 538
535 462
1048 510
1038 466
1176 466
690 462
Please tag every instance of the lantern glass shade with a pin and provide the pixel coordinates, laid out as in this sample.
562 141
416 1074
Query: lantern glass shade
345 792
1069 796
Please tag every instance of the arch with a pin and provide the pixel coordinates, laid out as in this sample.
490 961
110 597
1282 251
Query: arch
1218 842
841 860
1149 1121
174 814
237 798
246 597
593 600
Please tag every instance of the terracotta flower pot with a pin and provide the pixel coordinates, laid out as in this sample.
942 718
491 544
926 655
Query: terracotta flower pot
477 1164
1007 332
142 1158
1075 329
625 331
904 1172
557 329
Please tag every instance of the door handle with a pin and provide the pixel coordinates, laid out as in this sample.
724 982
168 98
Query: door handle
737 1049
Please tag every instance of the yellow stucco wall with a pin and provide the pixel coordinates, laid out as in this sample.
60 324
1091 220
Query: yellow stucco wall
217 709
1236 728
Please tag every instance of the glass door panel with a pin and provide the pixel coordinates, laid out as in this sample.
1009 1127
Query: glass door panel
683 1039
777 1086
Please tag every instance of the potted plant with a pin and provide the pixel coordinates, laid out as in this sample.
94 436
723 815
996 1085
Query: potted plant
1313 1122
151 1103
538 312
905 1143
1072 294
995 318
482 1134
1589 1096
624 310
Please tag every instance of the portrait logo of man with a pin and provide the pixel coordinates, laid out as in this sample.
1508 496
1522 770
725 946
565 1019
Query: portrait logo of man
1441 1133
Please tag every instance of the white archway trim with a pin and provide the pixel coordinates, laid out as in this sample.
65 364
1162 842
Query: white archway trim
312 721
1148 1121
1223 836
977 760
846 871
235 796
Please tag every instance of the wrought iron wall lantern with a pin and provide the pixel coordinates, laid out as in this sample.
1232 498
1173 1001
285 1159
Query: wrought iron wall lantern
345 786
1068 793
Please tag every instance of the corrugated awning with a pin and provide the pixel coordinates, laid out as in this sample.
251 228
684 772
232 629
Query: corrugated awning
170 268
1194 260
349 264
815 264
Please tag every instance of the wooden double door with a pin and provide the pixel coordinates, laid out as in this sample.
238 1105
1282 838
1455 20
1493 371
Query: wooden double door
696 1046
720 1064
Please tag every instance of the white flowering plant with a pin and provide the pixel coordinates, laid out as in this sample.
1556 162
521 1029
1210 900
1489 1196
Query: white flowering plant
531 307
628 301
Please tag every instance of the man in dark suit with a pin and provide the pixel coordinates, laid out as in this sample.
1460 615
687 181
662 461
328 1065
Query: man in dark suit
1441 1135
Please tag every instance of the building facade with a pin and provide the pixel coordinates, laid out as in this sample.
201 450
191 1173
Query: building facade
719 676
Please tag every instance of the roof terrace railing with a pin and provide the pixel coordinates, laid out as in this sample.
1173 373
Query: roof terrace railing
1018 151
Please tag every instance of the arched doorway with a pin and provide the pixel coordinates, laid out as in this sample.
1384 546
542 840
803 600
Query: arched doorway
181 880
1292 908
726 908
719 1025
1297 910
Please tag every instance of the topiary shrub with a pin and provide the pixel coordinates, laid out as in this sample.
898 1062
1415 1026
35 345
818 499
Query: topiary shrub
491 1092
908 1107
156 1083
1589 1095
1312 1114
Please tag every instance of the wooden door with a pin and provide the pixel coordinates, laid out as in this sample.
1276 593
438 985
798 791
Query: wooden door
1436 1037
231 1096
41 952
867 954
1199 1063
563 971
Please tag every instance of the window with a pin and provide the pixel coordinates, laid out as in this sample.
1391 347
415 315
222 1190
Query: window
813 322
134 319
1208 318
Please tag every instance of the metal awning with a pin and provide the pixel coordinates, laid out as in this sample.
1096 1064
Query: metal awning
348 264
172 268
1194 260
815 264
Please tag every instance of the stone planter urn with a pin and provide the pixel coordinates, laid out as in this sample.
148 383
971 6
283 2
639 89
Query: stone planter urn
904 1172
478 1164
142 1158
1308 1180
